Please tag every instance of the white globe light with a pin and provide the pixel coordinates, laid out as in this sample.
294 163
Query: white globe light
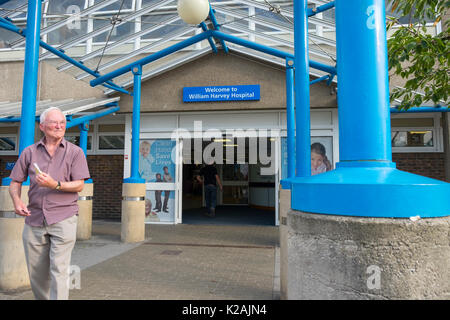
193 11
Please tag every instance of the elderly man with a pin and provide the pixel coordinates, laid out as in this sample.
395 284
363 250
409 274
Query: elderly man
57 170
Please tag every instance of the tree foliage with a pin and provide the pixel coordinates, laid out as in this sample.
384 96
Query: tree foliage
418 57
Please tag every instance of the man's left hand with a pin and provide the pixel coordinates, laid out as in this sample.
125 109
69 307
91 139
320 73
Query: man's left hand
45 180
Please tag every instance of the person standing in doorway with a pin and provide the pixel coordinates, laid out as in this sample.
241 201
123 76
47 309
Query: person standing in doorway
209 177
166 178
57 170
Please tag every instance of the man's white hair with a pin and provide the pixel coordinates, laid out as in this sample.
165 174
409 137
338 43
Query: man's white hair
46 111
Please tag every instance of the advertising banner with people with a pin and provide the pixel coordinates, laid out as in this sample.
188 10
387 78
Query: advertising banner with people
157 167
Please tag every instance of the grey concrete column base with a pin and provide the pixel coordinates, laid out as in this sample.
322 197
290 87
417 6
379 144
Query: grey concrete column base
285 207
6 203
84 224
13 266
342 257
133 212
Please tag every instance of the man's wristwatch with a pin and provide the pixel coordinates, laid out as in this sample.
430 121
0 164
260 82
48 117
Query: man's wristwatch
58 186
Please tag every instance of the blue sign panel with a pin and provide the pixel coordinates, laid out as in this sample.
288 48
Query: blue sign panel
221 93
10 166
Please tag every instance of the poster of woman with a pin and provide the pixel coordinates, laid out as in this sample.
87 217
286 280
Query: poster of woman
321 155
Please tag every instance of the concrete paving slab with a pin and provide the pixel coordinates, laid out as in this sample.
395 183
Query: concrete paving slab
176 262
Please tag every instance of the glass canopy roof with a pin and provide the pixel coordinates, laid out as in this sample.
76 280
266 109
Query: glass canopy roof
107 34
67 106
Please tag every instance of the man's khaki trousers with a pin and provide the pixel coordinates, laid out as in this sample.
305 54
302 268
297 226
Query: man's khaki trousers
48 250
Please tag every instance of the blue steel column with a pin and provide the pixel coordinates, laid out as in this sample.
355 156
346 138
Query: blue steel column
31 68
134 173
216 26
302 112
363 93
30 78
210 39
366 182
84 128
290 118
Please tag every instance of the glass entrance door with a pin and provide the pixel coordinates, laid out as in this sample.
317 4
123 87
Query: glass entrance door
235 184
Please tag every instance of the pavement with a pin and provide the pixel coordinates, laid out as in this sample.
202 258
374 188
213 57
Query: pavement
175 262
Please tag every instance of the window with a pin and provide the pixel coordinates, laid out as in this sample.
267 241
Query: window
111 142
416 133
8 143
9 139
117 33
113 8
110 138
423 138
73 28
75 139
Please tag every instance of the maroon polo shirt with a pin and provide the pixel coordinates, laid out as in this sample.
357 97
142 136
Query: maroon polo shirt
67 164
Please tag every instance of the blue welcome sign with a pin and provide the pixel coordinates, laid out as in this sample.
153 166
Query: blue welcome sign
221 93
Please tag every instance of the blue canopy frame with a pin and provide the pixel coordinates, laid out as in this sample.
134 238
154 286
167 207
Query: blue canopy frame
365 182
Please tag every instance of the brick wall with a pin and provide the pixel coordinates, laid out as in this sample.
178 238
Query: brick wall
107 174
425 164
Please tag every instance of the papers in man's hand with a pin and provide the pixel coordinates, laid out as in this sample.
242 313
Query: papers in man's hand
36 167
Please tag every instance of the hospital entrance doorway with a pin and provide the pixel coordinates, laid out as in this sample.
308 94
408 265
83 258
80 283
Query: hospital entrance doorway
249 192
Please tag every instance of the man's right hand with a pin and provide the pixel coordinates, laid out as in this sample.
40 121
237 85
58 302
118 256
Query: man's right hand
21 209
